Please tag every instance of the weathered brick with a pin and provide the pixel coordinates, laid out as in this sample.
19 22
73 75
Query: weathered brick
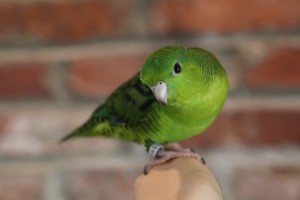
96 184
251 128
25 187
35 132
16 140
63 21
280 69
23 80
275 182
194 16
99 77
3 124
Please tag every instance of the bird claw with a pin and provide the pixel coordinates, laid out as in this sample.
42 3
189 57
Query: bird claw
192 150
203 160
163 156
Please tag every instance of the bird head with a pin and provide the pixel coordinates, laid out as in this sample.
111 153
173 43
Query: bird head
178 75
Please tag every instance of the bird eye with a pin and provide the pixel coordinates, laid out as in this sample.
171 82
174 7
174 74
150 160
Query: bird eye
177 68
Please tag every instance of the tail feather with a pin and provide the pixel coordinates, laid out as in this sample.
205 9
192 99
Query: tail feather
81 131
69 136
89 129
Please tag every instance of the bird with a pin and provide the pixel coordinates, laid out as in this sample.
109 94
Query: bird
177 94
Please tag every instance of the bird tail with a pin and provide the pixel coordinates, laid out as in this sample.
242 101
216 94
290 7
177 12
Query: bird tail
67 137
82 131
71 135
92 128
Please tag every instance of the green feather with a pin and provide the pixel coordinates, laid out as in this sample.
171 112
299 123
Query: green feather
195 97
123 113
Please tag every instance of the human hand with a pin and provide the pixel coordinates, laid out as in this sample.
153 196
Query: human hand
179 179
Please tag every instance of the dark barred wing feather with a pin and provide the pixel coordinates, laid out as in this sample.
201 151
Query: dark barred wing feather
126 107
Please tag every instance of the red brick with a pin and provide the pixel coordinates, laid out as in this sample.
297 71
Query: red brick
23 80
93 184
99 77
36 130
18 140
21 187
193 16
64 21
251 128
3 124
275 182
281 68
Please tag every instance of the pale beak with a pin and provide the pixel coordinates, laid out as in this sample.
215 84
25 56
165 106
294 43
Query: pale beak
160 92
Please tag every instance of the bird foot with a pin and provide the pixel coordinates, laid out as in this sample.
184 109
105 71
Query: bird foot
161 155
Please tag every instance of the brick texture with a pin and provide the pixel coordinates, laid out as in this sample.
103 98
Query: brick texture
280 69
60 59
93 184
193 16
35 132
251 128
23 80
99 77
25 187
3 124
275 182
63 21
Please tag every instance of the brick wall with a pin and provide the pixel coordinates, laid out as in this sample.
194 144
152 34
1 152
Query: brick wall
60 59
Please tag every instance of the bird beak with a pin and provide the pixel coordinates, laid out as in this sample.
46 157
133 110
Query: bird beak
160 92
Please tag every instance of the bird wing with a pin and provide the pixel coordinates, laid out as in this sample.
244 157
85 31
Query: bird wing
126 106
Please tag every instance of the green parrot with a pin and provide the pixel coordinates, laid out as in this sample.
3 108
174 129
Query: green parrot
177 94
